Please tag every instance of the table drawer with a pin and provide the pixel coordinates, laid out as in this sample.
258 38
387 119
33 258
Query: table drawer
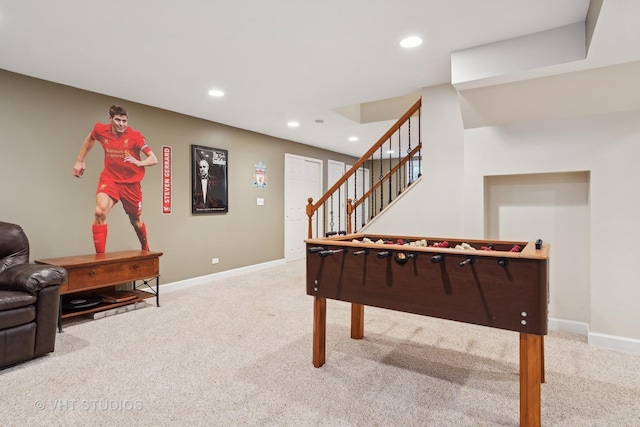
109 274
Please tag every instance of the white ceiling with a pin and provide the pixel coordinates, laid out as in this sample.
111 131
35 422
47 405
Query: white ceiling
276 60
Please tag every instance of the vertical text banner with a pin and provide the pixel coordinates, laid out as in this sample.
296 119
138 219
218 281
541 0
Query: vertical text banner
166 179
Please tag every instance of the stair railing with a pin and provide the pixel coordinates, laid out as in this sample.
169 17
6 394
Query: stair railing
358 198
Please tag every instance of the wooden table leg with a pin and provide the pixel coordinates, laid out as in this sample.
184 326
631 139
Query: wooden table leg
542 380
530 378
319 330
357 321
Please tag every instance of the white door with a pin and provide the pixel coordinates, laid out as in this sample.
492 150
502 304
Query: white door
302 179
357 185
336 205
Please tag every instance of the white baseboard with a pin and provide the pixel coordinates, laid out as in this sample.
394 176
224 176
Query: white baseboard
613 342
183 284
571 326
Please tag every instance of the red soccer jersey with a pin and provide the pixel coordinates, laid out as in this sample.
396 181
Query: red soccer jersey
116 148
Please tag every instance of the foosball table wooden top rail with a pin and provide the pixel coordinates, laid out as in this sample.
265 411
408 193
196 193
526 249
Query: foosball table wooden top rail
528 250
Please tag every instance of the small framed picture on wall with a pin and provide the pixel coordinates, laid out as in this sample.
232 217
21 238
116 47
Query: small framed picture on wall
209 183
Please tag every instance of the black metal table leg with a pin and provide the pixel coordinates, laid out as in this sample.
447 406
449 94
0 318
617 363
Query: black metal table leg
157 290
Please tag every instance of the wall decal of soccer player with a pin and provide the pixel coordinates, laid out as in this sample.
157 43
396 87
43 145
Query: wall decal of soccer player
121 176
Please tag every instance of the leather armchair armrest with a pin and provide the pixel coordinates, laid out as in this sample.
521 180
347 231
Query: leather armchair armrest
31 278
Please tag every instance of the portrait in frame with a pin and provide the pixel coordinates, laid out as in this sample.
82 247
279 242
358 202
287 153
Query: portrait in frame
209 183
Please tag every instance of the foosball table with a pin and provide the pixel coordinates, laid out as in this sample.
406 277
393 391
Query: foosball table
498 284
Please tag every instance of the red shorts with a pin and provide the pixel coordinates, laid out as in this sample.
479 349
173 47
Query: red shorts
129 194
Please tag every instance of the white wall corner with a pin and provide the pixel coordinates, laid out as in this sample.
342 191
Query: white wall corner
612 342
511 60
571 326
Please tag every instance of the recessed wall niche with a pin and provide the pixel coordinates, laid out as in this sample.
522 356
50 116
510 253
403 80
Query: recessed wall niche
553 207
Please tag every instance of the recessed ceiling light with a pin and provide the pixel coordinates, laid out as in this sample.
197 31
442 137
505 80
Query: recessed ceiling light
353 138
293 124
217 93
412 41
389 151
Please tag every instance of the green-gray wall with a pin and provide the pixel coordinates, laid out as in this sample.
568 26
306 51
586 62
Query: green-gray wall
43 126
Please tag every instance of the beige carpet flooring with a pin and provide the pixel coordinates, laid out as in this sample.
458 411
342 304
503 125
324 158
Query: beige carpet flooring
237 352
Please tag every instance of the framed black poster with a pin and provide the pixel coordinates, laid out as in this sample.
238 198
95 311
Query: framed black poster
209 182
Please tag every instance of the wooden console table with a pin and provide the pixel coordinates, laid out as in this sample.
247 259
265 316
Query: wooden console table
98 271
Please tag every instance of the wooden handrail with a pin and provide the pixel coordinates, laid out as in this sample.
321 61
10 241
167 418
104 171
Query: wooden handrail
404 160
312 208
414 108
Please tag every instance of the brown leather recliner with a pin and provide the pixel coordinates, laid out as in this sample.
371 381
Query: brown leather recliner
29 299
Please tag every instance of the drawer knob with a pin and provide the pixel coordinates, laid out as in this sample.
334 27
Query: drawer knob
92 273
135 266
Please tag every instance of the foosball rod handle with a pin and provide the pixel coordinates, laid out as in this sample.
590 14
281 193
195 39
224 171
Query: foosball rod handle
437 258
335 233
469 260
331 252
316 249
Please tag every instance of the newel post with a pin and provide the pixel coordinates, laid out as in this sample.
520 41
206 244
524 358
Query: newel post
350 210
309 215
